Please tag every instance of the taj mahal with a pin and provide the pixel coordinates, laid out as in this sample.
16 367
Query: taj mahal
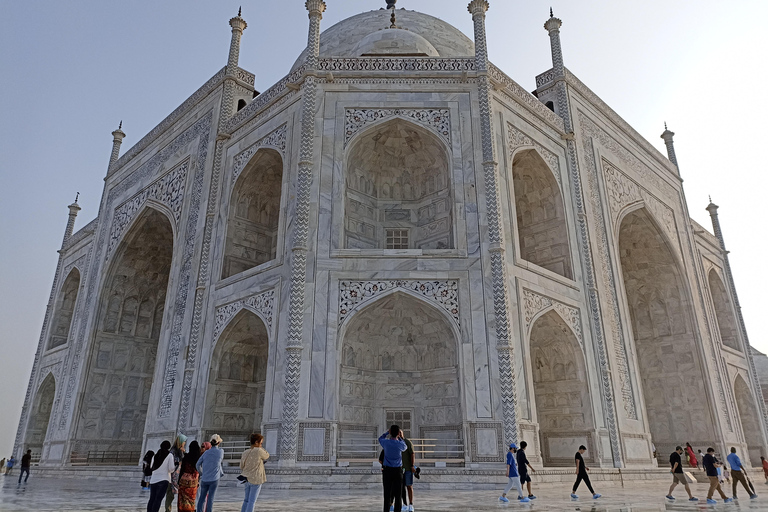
395 232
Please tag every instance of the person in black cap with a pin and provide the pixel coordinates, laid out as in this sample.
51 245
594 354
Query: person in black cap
514 478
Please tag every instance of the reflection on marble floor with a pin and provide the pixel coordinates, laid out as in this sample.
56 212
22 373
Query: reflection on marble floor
94 495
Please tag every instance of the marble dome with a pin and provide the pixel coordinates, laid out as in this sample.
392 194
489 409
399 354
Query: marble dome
363 34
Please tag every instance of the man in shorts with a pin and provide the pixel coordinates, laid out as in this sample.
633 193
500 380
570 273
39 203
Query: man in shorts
522 468
409 462
678 476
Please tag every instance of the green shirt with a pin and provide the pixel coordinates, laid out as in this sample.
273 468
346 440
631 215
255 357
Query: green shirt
407 456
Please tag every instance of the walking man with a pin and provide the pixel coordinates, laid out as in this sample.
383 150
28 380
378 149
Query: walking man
739 474
522 468
678 476
581 472
392 470
409 462
513 476
710 466
26 462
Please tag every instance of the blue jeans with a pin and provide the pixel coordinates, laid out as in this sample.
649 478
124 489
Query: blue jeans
207 490
251 495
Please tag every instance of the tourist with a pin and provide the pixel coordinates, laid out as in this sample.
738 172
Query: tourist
678 476
209 467
2 466
189 478
522 468
252 469
514 477
178 453
739 473
700 461
581 472
409 462
9 465
146 469
765 468
692 460
392 467
710 466
26 462
162 468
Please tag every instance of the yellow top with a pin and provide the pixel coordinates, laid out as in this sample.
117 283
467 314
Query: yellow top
252 465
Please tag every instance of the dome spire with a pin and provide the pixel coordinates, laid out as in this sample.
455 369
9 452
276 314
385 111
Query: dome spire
391 4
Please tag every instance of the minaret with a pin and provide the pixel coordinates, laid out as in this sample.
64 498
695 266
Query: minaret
502 321
669 141
117 140
73 209
299 249
238 25
607 381
712 209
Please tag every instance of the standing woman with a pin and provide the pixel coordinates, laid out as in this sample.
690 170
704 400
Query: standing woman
178 453
691 456
162 467
188 478
209 467
252 468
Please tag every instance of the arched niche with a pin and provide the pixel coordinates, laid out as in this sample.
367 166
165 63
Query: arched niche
726 320
254 214
64 310
541 227
562 398
129 323
398 189
237 378
40 416
750 422
399 364
671 370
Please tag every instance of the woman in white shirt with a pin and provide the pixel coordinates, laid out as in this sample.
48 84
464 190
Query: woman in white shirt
162 467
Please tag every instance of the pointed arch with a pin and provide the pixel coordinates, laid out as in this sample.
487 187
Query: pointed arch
750 421
561 393
726 319
542 229
398 189
128 327
64 310
661 314
254 214
40 416
237 378
399 358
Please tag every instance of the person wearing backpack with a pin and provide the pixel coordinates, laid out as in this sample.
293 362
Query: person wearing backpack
252 469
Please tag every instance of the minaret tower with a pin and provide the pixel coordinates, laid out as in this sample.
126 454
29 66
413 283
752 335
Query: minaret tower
669 141
73 209
117 140
238 25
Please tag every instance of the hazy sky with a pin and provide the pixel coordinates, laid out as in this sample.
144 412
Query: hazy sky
70 71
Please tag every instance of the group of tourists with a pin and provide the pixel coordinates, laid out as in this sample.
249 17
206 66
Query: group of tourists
398 468
193 474
6 465
715 471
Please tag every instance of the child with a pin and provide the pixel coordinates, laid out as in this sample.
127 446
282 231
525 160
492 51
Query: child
146 470
514 478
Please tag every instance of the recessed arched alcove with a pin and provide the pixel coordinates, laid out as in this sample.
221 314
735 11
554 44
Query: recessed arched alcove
65 309
237 377
40 414
541 226
129 322
750 422
671 369
399 364
560 388
254 214
726 320
398 189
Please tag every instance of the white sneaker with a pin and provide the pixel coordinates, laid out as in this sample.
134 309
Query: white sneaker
410 508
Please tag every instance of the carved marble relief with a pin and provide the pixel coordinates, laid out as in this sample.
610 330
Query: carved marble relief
262 303
517 139
438 119
276 139
535 303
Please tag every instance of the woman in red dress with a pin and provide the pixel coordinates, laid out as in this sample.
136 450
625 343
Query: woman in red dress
691 456
188 479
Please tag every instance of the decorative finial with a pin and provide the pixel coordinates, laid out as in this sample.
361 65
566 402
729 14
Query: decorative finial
239 11
665 125
120 126
551 14
77 196
710 199
392 18
391 4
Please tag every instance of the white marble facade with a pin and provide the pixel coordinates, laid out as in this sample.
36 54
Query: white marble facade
394 231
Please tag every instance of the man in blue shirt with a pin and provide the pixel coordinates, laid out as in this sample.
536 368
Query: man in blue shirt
514 478
392 467
738 473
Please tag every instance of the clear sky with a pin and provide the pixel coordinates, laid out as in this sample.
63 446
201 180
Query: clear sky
70 71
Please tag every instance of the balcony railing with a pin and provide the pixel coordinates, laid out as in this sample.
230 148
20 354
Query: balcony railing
106 458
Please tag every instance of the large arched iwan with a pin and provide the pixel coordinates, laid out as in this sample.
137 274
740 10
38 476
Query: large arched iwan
128 327
671 371
399 364
398 189
234 405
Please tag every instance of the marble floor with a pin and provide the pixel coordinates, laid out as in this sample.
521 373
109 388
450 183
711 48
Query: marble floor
95 495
